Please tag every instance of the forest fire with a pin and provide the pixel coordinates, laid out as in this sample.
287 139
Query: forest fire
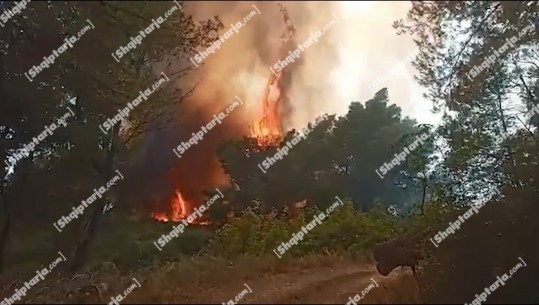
268 129
178 207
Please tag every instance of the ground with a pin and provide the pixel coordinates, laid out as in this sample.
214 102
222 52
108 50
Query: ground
316 284
317 279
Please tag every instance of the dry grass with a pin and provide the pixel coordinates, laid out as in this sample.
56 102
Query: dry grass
190 280
398 289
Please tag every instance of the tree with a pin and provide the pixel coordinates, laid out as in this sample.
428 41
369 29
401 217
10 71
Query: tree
98 84
337 158
420 163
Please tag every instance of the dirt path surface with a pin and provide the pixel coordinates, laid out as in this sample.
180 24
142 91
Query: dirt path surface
320 280
323 285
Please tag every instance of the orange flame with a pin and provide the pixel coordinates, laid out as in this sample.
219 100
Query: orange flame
268 129
160 216
178 207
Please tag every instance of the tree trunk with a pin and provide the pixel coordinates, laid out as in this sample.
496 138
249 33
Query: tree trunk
89 229
87 235
424 195
6 226
6 221
505 129
22 170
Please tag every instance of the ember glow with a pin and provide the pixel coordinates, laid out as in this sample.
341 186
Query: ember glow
178 206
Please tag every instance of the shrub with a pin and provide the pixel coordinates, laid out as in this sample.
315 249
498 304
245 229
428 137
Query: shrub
345 231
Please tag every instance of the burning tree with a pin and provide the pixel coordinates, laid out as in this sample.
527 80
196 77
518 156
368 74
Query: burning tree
268 129
99 92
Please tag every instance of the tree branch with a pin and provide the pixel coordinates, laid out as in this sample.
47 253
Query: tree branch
469 40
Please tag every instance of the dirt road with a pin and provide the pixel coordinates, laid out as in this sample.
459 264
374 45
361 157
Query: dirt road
320 281
324 285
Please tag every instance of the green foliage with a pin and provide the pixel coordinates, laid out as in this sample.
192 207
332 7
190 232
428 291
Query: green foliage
96 87
485 106
338 157
345 230
138 250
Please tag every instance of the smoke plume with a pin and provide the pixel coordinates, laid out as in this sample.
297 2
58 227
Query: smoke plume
320 81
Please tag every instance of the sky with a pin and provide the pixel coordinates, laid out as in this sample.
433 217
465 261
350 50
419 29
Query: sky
370 49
